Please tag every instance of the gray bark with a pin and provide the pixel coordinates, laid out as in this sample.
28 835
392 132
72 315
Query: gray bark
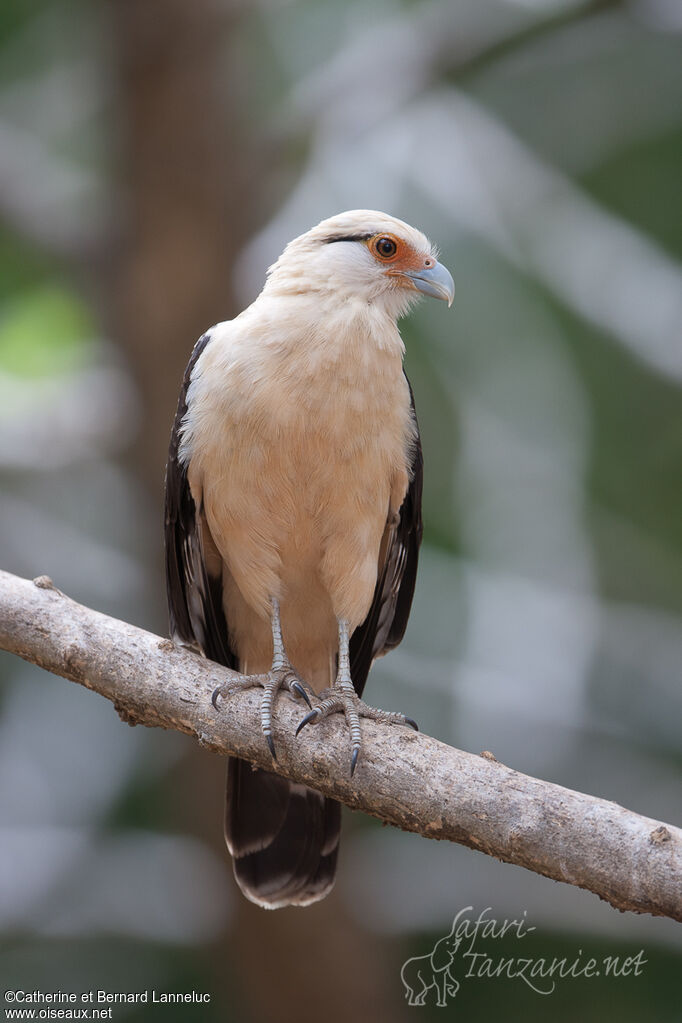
404 778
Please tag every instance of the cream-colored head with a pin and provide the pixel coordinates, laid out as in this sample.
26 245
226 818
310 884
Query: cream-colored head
362 255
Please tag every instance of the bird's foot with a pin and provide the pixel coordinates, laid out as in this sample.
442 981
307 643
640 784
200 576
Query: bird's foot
276 679
342 699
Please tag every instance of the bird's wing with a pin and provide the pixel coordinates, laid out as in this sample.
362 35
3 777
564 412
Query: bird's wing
386 621
193 576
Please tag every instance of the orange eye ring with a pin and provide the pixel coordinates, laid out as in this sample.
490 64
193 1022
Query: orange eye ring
385 247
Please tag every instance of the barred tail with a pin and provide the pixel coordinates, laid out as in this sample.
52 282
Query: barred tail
283 837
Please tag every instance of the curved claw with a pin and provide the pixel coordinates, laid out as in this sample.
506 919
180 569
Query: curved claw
412 724
307 719
298 688
271 746
353 761
214 698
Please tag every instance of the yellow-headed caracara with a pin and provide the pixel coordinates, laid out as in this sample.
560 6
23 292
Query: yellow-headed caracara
293 513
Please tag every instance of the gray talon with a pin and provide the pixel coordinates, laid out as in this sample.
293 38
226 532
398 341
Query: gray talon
307 719
342 699
277 678
298 688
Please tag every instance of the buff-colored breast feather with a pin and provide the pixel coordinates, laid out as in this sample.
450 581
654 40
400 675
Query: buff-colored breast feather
298 441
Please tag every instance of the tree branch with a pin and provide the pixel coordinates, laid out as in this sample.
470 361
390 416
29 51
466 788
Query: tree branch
406 779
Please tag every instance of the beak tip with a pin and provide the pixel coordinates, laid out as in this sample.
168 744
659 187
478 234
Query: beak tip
436 282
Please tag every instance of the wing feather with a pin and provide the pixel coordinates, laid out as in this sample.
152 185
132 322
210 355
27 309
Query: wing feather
195 597
386 621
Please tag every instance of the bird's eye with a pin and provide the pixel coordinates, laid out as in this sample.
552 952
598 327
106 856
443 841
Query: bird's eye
385 247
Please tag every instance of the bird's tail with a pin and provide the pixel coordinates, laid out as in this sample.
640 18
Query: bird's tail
284 837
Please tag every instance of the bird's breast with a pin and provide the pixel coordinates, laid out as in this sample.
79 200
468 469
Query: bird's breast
299 455
312 420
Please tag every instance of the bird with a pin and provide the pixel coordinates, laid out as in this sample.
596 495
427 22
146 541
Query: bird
293 514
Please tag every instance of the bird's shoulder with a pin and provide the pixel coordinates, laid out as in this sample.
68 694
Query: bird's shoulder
216 355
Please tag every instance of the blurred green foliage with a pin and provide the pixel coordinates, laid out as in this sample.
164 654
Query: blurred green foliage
45 331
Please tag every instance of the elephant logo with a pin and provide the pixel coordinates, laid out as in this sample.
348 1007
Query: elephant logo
421 973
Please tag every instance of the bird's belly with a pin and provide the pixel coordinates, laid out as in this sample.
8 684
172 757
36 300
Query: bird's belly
279 508
296 494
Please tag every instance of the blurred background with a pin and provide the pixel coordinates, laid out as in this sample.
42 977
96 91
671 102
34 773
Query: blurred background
155 157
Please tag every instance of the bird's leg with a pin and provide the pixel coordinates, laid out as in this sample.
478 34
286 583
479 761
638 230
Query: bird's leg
280 676
342 698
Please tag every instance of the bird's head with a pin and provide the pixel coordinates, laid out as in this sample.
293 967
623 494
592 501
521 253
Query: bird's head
366 256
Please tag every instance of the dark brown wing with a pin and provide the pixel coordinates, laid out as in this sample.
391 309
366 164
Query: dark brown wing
195 604
386 621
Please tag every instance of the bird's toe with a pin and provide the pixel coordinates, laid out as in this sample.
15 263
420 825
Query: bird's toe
341 700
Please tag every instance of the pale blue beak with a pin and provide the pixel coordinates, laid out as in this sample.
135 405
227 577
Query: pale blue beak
435 281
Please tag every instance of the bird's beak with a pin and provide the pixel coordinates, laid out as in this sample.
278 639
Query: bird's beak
435 281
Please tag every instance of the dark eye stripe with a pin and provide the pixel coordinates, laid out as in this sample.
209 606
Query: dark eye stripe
349 238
